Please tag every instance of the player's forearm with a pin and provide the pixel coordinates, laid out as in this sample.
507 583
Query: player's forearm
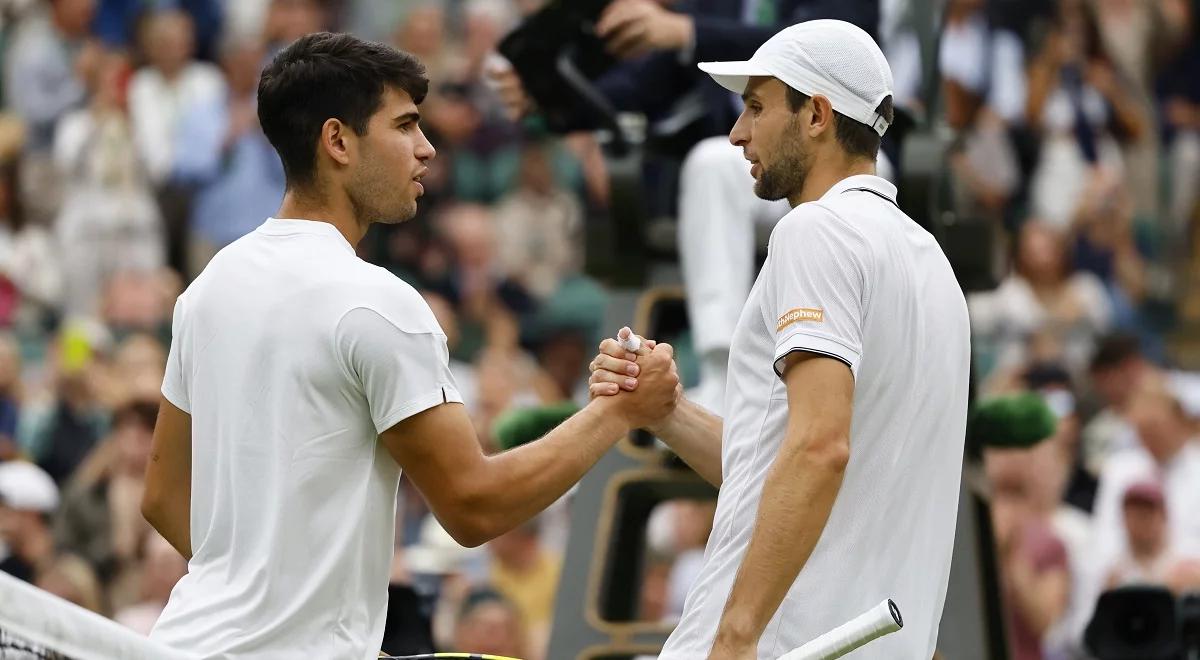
518 484
796 501
695 434
171 518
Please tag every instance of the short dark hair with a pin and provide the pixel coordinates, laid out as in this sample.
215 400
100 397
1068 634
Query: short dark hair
856 138
143 413
322 76
1113 350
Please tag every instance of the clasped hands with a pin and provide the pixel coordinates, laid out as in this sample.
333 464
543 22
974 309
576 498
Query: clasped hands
644 385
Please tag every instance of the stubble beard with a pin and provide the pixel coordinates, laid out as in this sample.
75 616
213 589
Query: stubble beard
786 177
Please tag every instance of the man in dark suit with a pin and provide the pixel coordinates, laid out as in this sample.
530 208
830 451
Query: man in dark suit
659 43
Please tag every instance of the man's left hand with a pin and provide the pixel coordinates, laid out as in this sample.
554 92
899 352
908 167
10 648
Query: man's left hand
633 28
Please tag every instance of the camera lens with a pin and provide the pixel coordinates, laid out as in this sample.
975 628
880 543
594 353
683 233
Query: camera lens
1135 628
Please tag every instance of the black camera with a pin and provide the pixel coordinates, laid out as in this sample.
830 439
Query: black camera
556 51
1145 623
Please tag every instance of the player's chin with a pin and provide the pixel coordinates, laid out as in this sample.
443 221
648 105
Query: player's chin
402 213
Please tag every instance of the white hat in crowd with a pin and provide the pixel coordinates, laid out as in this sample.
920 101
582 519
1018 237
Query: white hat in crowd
26 487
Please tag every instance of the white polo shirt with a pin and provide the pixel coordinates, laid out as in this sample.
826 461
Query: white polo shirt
292 354
850 277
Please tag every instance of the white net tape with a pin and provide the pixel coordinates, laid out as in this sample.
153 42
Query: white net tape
31 618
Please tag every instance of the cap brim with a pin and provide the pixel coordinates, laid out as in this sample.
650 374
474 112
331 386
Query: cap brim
733 76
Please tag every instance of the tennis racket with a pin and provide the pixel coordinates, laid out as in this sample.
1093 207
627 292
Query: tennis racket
883 619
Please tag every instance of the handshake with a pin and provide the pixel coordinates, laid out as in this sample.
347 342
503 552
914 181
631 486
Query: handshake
636 378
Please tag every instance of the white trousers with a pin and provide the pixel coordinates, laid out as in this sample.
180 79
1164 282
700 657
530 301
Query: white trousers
718 212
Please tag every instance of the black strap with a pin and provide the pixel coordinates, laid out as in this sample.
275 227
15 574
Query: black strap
873 192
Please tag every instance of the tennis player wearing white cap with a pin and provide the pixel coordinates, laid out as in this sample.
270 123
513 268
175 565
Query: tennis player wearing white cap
839 459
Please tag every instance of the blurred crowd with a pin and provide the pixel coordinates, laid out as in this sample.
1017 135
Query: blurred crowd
130 153
1076 139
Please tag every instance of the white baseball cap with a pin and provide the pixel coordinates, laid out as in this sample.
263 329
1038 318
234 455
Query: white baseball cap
835 59
26 487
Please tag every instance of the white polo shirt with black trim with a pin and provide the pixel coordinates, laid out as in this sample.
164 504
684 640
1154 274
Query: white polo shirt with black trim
850 277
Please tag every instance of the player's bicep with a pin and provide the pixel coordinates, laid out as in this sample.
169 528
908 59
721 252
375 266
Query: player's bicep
820 393
169 471
439 452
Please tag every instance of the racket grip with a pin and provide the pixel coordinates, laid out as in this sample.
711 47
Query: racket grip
883 619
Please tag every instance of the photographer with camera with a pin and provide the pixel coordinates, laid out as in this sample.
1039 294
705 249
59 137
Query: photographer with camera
658 43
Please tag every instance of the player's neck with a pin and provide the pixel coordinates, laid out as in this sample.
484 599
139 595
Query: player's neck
317 207
827 172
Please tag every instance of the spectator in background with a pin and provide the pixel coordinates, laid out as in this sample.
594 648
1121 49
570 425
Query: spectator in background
1105 246
28 499
1035 570
30 273
100 519
527 575
109 221
117 21
421 30
10 396
983 83
288 20
41 85
1118 370
539 226
1168 453
59 431
160 569
1150 557
484 23
140 301
481 156
1180 102
224 149
489 623
1041 295
40 82
1080 107
1137 36
486 295
160 95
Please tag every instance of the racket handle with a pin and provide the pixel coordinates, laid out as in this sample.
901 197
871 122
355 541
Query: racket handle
883 619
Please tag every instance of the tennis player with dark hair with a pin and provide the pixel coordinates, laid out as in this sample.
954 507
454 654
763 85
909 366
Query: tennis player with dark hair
839 460
301 380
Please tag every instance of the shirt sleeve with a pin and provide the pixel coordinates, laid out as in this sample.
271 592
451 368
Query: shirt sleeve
400 372
174 386
818 286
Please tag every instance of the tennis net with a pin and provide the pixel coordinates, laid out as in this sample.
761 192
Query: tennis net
36 625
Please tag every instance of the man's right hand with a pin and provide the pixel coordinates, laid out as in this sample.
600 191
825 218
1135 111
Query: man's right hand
647 382
504 79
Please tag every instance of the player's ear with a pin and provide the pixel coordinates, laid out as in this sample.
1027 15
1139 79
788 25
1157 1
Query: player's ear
822 119
336 141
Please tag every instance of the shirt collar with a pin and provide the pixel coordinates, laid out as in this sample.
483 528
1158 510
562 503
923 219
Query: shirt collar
288 227
869 182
